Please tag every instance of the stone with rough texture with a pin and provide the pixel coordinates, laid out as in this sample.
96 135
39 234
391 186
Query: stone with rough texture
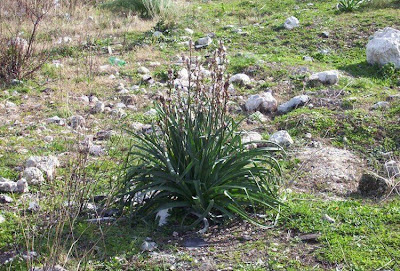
282 138
203 42
33 175
264 102
384 47
148 246
240 78
98 108
248 137
328 170
291 22
47 164
373 185
380 105
325 77
76 122
33 206
56 120
293 103
143 70
5 199
15 187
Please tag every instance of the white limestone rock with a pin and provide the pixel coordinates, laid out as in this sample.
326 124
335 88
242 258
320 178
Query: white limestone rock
291 22
264 102
384 47
282 138
326 77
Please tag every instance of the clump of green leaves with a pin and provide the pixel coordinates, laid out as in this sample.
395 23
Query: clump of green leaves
349 5
146 8
194 161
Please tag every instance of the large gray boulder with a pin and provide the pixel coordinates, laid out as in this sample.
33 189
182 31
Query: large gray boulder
384 47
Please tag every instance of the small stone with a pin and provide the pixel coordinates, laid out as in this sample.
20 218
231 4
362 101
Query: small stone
98 108
56 120
143 70
281 138
293 103
380 105
261 102
328 218
33 175
48 139
33 206
148 246
250 137
104 135
308 58
10 104
326 77
147 78
241 79
151 113
195 242
119 105
2 219
118 113
157 34
189 31
96 150
5 199
291 22
203 42
325 34
93 99
76 122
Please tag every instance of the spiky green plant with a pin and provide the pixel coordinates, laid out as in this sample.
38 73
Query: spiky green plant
349 5
194 158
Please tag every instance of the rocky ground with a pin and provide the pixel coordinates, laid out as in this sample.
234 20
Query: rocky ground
301 74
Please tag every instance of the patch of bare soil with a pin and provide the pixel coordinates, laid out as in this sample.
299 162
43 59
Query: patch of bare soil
238 245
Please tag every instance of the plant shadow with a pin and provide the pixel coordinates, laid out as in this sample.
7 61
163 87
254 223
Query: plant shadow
362 69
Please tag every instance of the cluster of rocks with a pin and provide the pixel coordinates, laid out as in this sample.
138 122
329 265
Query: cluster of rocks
36 169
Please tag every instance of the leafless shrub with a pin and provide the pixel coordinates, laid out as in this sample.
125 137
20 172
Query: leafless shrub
20 57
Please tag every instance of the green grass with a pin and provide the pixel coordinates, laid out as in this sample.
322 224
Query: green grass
365 235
